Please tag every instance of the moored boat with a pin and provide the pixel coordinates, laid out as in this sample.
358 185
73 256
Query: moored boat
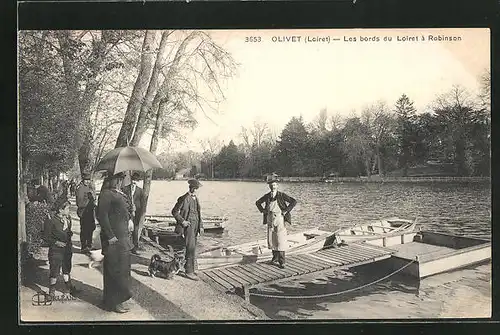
167 223
376 230
306 241
257 251
429 253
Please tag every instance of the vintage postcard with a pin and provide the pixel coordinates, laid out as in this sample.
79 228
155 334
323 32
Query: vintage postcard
254 174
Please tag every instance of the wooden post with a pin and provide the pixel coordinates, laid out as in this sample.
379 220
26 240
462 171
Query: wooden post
384 241
246 293
403 238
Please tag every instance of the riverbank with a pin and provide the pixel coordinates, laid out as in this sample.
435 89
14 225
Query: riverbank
152 298
372 179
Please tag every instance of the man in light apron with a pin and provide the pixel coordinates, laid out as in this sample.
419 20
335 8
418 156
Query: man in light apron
276 211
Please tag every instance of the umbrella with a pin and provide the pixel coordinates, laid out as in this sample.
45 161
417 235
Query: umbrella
128 158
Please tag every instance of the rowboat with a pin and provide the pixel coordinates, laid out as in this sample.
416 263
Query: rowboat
257 251
375 230
425 253
215 224
304 242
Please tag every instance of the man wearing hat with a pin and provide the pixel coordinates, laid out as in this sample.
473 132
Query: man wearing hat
136 196
187 213
276 211
114 213
85 201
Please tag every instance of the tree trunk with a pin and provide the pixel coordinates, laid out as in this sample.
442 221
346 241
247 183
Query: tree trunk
81 102
153 147
139 91
84 153
152 89
163 90
379 163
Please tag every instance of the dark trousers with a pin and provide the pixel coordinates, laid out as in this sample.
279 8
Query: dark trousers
116 275
87 227
60 257
190 240
279 256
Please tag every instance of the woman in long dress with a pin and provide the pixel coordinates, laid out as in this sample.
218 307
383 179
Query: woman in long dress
114 214
276 210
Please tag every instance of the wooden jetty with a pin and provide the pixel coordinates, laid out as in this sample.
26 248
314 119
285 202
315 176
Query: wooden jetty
241 278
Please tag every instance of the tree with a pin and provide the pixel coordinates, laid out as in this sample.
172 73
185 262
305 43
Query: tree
291 148
456 112
228 161
379 120
358 146
186 79
405 131
211 147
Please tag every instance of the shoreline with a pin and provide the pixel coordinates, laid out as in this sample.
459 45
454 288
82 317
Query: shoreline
373 179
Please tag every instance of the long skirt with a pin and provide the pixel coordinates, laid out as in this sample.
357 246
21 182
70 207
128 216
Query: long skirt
116 275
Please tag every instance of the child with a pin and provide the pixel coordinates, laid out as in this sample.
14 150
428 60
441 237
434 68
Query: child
58 236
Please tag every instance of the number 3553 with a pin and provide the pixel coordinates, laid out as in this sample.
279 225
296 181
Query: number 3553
252 39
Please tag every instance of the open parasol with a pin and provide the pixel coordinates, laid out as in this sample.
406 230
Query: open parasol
128 159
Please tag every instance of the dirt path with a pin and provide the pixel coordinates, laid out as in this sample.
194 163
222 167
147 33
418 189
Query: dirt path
153 298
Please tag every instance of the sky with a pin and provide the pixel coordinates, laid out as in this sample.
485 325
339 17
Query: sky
277 78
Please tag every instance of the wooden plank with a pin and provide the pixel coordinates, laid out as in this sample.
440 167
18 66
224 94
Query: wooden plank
311 266
350 254
273 271
325 259
260 278
242 275
229 278
297 265
219 280
212 282
336 256
297 271
312 259
263 277
368 254
369 247
259 268
322 265
235 277
365 252
278 273
263 270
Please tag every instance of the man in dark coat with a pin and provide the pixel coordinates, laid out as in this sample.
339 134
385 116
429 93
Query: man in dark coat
136 197
85 201
113 212
187 213
277 240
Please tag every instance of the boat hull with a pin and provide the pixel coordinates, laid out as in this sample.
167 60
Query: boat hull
430 253
166 224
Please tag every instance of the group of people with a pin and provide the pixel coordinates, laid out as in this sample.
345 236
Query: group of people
118 212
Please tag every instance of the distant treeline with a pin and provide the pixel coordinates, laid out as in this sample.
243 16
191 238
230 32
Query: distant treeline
451 140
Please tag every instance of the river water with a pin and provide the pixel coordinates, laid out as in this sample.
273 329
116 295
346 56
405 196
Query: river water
458 208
